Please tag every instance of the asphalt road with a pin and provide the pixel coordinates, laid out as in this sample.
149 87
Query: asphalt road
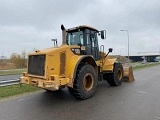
139 100
10 77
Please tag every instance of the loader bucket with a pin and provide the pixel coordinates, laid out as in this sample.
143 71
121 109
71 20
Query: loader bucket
128 73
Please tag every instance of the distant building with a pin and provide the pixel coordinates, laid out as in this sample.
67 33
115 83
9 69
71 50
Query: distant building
147 58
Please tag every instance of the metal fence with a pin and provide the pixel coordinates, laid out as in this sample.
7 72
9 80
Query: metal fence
9 82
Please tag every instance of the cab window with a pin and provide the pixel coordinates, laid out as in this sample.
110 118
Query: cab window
75 38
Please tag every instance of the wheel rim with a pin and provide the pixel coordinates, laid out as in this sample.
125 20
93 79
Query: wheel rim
119 74
88 81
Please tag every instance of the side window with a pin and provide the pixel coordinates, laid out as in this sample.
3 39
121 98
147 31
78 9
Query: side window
81 40
91 38
94 39
88 41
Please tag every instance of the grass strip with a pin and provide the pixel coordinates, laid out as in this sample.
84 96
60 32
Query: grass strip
145 66
15 90
12 72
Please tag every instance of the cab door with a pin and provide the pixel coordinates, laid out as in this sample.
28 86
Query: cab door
91 44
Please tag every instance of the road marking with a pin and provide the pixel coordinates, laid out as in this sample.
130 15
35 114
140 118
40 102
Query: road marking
142 92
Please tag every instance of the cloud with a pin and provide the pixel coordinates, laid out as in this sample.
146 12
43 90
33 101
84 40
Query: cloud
25 25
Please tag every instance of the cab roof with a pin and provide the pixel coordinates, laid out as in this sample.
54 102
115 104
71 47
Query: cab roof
82 26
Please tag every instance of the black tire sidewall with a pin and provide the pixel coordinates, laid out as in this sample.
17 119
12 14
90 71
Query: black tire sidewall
84 70
118 67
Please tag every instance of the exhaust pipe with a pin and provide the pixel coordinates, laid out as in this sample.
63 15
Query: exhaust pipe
63 34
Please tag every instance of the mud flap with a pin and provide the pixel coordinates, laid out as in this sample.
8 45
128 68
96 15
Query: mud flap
128 73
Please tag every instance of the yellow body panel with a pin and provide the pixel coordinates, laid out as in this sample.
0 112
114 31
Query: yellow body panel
70 68
108 64
43 83
52 78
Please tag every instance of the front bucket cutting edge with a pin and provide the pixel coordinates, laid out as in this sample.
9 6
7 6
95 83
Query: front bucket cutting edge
128 73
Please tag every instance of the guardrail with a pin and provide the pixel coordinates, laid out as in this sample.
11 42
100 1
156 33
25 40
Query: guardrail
9 82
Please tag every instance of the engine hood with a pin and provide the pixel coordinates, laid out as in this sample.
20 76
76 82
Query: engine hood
54 49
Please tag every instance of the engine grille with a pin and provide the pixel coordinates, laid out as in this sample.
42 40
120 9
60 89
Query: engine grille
36 64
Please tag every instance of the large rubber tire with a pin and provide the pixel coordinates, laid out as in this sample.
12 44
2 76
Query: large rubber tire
115 78
85 83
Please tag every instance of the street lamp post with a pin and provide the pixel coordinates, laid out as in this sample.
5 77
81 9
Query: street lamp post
128 41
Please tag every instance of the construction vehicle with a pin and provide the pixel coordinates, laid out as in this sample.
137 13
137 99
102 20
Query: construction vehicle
79 64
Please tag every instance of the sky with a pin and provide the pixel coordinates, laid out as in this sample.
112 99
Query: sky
28 25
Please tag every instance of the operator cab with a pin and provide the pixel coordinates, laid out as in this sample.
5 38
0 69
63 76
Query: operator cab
85 37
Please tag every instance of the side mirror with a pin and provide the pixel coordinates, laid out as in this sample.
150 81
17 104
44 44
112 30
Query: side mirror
110 50
103 34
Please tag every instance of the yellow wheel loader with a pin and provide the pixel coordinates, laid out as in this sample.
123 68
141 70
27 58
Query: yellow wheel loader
79 64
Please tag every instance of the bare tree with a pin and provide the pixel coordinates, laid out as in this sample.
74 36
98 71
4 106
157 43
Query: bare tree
23 59
19 60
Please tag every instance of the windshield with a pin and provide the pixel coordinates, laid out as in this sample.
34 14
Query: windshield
75 38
